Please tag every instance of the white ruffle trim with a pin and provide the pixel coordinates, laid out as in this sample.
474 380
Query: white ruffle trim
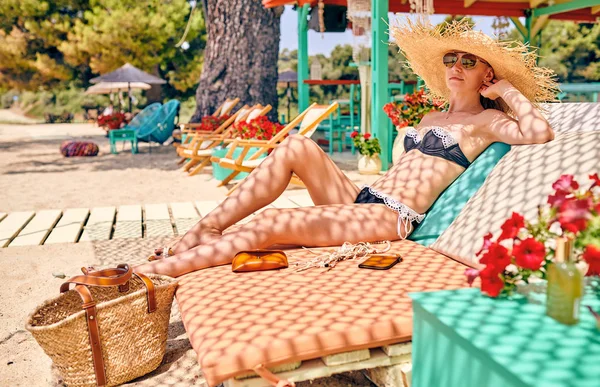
404 212
447 138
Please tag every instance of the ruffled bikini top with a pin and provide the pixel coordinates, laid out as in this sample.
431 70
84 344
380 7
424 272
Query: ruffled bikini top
436 142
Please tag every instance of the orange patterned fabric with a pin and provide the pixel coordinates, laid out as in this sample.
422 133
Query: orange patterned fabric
236 321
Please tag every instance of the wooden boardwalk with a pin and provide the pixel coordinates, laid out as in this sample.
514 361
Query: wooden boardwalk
29 228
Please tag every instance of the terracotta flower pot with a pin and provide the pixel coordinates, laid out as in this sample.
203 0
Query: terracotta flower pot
369 165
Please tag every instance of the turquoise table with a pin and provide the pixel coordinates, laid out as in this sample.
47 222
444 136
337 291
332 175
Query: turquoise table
464 339
124 135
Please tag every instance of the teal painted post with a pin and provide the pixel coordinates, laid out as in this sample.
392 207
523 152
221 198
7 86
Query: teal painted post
303 92
528 26
565 7
379 60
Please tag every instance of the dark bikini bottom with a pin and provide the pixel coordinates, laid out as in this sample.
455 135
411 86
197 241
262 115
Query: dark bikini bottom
407 217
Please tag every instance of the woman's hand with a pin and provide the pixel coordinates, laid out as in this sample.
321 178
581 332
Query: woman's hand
495 88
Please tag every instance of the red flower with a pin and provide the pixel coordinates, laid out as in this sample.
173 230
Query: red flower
595 179
471 274
496 258
367 136
591 255
487 242
354 134
491 283
565 183
558 198
529 254
574 214
512 226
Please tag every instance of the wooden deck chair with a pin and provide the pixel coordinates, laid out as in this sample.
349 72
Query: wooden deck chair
193 137
308 120
201 152
188 128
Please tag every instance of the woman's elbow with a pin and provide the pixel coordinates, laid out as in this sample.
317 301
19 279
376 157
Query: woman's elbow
549 134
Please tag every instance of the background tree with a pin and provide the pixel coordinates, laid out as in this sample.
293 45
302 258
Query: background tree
51 44
241 55
30 32
572 50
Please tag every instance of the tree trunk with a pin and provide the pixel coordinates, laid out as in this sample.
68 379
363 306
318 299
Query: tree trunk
240 59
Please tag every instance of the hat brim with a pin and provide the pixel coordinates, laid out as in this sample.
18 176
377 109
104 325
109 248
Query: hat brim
424 47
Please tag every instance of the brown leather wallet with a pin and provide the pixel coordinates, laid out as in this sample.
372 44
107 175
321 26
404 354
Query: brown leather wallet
259 260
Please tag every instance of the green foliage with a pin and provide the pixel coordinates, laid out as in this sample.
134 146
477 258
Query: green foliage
47 44
571 50
365 144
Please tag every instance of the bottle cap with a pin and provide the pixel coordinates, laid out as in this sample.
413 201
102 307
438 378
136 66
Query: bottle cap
564 249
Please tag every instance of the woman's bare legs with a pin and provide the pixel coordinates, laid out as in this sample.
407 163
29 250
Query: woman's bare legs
310 226
325 182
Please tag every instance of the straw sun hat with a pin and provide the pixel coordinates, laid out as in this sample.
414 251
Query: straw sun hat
424 46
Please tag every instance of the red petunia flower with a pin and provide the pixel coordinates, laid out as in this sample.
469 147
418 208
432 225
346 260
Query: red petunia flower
529 254
367 136
496 258
565 183
558 198
487 242
471 274
353 134
512 226
591 255
491 283
595 179
573 214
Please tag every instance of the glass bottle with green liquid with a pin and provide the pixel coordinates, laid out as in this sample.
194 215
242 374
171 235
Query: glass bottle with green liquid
565 285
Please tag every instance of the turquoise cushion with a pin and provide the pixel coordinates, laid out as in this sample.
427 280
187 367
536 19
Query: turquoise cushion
453 199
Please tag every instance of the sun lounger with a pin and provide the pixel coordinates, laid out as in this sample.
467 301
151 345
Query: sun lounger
200 149
237 322
308 121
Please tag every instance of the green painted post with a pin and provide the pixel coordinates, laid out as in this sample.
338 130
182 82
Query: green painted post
528 26
565 7
303 92
379 61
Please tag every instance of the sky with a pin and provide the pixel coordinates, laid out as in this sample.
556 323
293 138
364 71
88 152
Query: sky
324 45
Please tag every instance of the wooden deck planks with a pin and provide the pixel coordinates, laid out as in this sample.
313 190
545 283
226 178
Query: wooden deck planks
158 220
99 225
69 226
129 222
37 229
315 369
185 216
12 225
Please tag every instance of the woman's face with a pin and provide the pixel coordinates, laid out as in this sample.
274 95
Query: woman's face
466 72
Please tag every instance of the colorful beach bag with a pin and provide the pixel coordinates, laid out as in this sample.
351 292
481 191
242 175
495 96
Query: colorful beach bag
110 329
78 148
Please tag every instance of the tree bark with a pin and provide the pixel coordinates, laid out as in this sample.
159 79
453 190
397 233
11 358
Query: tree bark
240 59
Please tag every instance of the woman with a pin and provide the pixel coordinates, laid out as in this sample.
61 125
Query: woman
469 70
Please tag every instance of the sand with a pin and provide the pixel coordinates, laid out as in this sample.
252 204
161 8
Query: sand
35 176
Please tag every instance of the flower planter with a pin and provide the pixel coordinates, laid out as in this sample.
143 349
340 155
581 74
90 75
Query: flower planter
369 165
221 173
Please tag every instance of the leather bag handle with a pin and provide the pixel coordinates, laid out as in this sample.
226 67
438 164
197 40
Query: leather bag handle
107 277
118 276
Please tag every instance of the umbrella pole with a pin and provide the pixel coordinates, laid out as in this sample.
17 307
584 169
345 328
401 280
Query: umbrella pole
129 94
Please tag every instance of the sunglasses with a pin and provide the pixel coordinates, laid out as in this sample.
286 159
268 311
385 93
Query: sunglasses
468 61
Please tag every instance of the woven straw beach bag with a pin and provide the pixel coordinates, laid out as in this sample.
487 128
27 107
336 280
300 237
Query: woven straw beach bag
111 328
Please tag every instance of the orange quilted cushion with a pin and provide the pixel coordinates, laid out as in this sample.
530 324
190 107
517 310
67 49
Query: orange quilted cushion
236 321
